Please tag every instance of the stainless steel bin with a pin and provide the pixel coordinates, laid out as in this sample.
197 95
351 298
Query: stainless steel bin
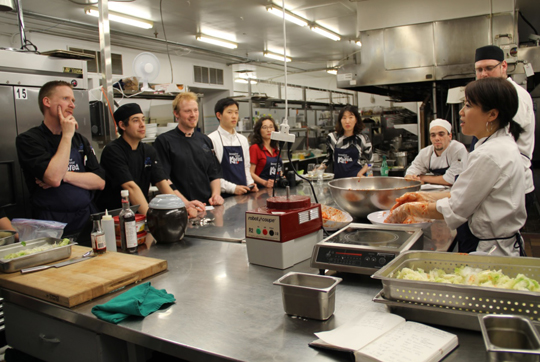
308 295
510 338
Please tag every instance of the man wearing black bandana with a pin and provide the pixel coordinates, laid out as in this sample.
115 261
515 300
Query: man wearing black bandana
130 164
59 165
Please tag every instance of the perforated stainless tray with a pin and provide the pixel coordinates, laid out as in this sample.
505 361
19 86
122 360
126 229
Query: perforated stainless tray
463 297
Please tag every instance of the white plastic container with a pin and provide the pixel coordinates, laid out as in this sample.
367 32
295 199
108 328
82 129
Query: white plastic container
107 224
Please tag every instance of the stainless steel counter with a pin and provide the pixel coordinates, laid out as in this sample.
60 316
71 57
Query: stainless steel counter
229 219
227 309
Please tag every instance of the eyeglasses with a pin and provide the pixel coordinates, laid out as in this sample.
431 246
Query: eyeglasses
487 69
267 127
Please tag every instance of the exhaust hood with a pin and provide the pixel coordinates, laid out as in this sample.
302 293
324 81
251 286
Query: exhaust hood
404 62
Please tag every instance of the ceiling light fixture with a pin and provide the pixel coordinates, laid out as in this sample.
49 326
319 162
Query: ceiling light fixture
327 33
276 56
277 11
245 80
358 42
121 18
216 41
331 71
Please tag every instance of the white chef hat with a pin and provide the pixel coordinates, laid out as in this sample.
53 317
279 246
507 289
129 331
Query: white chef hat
442 123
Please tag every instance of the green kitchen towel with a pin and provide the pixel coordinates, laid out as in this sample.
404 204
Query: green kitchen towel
139 301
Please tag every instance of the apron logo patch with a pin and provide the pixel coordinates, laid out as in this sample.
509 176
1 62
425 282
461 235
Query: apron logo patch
235 159
73 166
343 158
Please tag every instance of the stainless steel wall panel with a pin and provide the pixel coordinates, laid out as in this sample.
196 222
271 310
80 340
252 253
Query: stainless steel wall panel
408 46
456 40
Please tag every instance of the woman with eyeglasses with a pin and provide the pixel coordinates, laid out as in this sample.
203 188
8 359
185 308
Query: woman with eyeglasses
486 204
263 153
348 149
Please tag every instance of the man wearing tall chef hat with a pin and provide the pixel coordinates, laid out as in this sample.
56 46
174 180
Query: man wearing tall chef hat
59 165
132 165
442 161
489 62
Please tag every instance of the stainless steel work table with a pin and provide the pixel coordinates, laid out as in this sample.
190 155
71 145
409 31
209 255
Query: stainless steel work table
229 219
226 309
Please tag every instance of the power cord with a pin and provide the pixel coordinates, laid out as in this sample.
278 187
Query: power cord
289 153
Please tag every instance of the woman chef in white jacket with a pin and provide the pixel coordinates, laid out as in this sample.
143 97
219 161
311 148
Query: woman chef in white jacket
487 201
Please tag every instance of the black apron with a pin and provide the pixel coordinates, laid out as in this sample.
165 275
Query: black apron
346 162
232 164
66 203
438 171
272 166
468 242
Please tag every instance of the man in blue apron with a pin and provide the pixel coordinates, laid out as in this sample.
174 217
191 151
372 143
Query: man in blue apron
59 165
443 159
232 150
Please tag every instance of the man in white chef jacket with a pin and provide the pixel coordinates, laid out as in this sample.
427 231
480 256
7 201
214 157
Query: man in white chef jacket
442 161
489 62
232 150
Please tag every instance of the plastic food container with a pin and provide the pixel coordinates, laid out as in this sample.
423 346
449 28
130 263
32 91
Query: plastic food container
141 239
140 221
308 295
510 338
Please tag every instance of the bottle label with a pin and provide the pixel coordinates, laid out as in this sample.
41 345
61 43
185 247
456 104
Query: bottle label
131 234
98 242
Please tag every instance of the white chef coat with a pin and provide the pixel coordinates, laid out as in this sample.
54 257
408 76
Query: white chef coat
453 157
489 194
231 139
525 118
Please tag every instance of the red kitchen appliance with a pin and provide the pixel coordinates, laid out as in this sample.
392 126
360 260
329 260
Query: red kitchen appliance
284 232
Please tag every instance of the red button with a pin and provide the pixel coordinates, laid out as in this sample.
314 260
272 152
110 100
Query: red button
265 231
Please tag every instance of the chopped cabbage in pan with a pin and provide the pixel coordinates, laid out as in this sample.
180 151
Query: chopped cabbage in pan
466 275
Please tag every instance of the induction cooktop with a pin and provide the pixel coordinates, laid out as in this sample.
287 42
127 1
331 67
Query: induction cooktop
364 248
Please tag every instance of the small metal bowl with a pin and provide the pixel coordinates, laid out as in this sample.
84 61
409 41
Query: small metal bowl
7 237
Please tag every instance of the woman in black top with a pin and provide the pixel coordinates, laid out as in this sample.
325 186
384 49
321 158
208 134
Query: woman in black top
349 149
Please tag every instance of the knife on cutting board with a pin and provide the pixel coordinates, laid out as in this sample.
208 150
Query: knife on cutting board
85 256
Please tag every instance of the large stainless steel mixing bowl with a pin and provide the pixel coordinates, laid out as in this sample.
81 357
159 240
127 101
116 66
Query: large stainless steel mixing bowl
362 196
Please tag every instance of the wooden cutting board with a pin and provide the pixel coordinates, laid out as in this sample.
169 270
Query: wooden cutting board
80 282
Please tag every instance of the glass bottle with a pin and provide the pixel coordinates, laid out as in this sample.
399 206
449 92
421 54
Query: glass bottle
384 167
99 245
128 229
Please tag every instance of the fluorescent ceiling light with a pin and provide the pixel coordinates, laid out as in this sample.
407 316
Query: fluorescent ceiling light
277 11
245 80
331 71
276 56
217 41
326 33
121 18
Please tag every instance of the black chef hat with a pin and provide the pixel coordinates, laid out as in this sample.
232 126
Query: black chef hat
125 111
489 52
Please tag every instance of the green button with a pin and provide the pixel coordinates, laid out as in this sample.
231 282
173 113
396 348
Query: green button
258 231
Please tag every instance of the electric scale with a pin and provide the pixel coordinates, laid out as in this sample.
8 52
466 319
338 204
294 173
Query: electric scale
364 248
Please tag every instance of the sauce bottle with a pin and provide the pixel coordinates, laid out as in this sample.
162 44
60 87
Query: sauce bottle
98 236
128 229
107 224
